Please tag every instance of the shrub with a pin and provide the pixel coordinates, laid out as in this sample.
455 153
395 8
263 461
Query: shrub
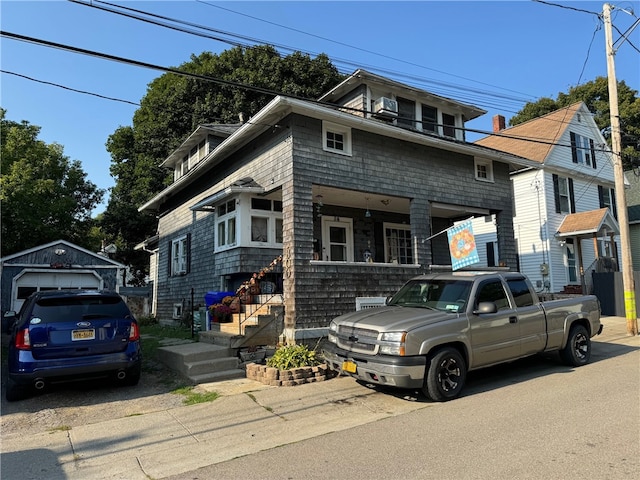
146 320
293 356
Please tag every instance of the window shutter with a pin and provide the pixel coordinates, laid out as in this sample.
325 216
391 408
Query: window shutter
614 208
601 196
491 259
170 256
571 196
188 253
556 193
593 153
574 148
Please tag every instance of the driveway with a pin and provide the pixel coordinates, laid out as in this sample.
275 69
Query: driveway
64 406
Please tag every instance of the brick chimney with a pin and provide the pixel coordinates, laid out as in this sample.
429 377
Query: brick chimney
498 123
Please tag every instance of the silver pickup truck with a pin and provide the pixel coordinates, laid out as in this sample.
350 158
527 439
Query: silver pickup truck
440 326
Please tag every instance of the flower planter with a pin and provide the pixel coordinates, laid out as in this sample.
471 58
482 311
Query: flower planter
288 378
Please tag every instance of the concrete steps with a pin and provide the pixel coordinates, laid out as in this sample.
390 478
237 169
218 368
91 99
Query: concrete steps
215 356
202 362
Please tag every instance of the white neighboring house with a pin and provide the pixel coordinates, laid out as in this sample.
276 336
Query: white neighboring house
565 213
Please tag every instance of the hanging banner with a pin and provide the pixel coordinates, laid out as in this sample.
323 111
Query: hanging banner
462 246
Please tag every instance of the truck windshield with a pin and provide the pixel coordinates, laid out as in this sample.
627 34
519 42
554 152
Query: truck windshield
438 294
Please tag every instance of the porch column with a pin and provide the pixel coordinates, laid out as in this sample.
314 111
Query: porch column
578 244
420 220
506 240
595 245
297 251
614 249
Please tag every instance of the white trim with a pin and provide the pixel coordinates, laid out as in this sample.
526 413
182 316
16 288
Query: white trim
340 222
482 162
64 242
179 264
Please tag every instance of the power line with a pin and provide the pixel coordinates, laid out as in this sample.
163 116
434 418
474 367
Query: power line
69 88
355 47
218 81
419 80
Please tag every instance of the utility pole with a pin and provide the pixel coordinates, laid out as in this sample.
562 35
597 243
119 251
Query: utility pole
616 150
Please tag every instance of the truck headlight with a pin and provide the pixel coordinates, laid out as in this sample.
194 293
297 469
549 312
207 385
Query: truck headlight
393 343
333 330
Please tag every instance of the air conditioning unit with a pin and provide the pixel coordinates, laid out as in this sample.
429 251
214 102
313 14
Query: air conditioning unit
385 107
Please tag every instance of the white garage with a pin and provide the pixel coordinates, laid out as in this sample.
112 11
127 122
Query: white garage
33 280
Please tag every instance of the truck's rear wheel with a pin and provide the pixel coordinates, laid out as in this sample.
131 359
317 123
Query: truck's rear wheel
577 351
446 373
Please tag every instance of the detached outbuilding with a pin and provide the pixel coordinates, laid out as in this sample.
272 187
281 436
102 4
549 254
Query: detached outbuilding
56 265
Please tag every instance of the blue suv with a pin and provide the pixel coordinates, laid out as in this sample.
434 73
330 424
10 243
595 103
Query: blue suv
72 335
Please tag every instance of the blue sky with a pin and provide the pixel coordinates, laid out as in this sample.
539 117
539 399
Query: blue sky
495 55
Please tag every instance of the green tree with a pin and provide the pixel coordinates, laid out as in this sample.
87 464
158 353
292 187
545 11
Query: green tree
44 195
595 95
174 106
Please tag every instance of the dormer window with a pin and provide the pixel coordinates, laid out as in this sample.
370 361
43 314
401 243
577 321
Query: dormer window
429 119
406 113
448 125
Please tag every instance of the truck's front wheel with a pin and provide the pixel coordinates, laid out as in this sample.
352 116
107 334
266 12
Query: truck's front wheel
446 374
577 351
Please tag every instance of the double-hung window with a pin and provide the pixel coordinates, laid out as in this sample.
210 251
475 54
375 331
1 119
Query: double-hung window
429 119
226 224
582 150
180 255
607 199
397 244
448 125
563 194
406 113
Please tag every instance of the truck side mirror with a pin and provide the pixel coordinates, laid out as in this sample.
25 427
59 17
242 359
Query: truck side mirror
486 307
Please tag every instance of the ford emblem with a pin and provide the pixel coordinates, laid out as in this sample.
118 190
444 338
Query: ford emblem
84 324
35 321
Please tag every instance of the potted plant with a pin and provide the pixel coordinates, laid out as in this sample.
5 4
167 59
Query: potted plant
232 302
220 313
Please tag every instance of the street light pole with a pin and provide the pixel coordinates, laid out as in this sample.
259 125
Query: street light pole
616 149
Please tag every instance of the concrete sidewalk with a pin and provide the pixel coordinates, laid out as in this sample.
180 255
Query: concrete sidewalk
248 417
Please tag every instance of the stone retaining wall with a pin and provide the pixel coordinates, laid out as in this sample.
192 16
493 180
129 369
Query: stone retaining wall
288 378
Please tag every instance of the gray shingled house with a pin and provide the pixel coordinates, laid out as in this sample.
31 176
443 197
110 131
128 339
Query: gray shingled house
342 195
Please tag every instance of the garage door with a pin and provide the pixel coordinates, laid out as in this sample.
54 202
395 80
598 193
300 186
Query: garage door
33 281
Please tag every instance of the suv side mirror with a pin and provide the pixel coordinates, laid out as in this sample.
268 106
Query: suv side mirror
8 320
486 307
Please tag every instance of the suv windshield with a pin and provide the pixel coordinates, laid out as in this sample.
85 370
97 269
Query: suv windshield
435 294
61 309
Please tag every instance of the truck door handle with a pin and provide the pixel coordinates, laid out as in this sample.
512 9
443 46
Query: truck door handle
513 319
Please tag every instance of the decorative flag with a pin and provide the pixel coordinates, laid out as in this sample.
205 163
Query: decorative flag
462 245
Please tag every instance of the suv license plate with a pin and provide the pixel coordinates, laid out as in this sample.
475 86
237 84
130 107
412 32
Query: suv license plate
83 334
349 367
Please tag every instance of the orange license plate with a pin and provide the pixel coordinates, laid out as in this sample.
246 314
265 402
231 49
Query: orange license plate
83 334
349 367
